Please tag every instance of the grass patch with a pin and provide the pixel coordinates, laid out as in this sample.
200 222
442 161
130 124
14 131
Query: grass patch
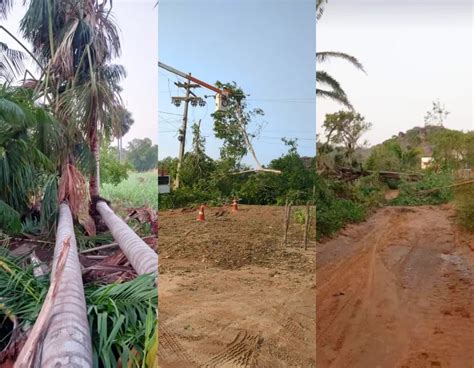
140 189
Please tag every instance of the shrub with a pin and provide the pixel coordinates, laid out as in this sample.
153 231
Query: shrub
464 201
430 190
333 215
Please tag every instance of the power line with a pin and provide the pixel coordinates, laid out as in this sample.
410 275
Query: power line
273 137
169 113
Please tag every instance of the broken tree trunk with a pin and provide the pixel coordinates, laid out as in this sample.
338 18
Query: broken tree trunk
67 341
142 258
28 354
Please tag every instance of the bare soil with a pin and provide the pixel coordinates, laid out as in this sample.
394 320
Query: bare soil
397 291
230 295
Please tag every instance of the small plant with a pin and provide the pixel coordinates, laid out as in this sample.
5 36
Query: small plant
299 216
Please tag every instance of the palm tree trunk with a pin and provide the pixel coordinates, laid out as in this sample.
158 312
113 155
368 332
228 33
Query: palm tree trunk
67 342
142 258
94 179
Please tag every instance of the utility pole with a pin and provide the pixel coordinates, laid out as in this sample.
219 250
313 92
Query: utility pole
195 100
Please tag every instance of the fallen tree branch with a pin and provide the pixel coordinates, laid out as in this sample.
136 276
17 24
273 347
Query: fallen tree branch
426 191
26 358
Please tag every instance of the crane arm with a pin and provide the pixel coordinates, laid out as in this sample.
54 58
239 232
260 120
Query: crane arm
191 78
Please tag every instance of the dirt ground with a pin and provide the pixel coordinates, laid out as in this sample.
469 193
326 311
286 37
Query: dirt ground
397 291
230 295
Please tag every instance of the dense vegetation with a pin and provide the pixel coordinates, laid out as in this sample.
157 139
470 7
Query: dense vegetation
341 201
205 180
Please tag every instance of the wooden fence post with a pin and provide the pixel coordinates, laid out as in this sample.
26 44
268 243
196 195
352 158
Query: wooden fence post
287 221
307 222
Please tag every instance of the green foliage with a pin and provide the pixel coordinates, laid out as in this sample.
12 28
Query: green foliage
210 181
369 191
464 201
140 189
299 215
49 205
452 150
10 221
121 316
111 170
85 241
230 127
411 193
390 156
28 142
340 203
346 128
335 214
142 154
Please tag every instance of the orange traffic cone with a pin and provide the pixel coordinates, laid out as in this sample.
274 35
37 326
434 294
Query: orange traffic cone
201 214
235 208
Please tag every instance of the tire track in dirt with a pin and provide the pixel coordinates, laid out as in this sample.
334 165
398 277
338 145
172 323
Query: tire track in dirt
171 352
356 277
389 303
242 352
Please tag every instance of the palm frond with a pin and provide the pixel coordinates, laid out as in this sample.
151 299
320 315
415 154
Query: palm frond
11 62
325 78
326 55
120 316
5 7
341 98
320 8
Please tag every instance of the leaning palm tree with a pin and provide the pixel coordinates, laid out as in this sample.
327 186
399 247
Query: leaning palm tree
67 341
142 258
331 87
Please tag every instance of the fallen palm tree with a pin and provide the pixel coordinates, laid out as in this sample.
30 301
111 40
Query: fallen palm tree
121 316
142 258
68 337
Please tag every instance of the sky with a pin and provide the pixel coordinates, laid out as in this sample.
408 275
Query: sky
414 52
266 46
137 21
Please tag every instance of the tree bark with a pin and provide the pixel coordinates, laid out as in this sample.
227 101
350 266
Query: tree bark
142 258
94 179
67 342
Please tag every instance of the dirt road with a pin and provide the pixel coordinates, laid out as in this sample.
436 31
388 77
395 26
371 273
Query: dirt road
230 295
397 291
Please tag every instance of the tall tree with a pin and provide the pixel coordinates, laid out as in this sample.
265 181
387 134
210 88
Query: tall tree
346 128
230 127
142 154
75 41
